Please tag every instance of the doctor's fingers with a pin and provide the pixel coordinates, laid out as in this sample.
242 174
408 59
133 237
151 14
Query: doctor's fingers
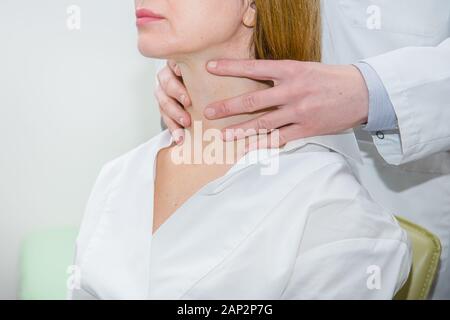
172 86
175 129
171 108
246 103
271 120
174 67
252 69
277 138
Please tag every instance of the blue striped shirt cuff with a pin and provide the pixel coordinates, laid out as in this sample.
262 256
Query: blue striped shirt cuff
381 110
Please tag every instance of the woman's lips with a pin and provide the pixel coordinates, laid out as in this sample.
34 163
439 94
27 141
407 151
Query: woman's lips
145 16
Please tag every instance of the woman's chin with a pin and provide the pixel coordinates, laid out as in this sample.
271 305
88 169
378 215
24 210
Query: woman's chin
151 51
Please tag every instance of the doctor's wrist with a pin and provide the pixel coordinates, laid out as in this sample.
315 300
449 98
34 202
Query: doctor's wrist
363 111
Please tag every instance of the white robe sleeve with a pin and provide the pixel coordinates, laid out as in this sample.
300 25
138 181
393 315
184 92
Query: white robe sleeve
352 248
94 208
418 83
350 269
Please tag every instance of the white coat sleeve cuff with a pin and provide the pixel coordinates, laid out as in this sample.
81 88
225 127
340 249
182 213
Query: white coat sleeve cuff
417 80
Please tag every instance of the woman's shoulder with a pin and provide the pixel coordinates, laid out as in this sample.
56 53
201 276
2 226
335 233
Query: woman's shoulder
137 154
134 160
322 170
131 165
335 201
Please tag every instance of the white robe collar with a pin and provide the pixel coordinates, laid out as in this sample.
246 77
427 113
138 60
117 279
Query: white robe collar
344 143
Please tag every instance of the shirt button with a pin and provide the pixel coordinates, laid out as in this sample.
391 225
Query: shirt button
380 135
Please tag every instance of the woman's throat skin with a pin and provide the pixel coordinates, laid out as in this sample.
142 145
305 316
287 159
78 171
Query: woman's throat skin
205 88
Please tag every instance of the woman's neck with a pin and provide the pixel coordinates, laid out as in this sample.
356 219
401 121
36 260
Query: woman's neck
205 88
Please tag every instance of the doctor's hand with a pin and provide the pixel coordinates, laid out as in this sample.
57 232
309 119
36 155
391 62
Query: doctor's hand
173 97
310 98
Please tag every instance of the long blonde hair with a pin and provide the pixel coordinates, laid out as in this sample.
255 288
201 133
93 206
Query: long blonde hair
288 29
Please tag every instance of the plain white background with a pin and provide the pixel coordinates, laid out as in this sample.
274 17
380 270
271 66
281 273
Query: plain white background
69 102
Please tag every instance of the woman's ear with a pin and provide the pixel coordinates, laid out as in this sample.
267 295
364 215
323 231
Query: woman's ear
249 18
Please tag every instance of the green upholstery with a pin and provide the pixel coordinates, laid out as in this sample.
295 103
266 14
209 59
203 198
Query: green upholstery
426 249
45 257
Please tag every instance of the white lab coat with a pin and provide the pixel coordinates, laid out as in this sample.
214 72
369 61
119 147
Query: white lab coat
305 231
408 43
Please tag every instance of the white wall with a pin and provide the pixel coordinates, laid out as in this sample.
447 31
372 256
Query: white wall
69 102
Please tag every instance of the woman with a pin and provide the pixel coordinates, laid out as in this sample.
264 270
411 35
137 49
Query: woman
294 223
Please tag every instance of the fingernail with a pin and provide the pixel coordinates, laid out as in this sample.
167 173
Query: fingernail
184 100
181 120
210 112
212 64
177 136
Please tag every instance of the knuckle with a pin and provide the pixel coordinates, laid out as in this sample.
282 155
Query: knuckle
172 85
164 102
249 103
163 81
263 123
224 109
162 75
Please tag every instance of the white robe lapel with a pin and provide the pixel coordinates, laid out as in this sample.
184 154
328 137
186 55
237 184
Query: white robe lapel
117 259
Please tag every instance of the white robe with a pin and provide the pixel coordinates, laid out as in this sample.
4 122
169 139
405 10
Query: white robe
407 42
310 231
